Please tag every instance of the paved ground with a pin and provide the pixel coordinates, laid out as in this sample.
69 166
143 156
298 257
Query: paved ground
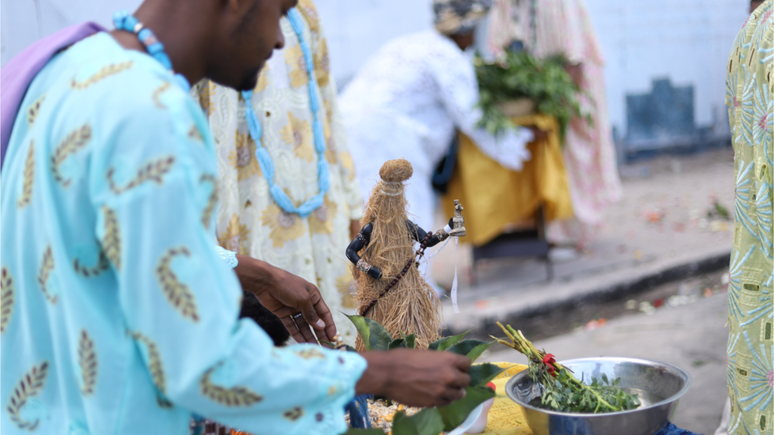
691 336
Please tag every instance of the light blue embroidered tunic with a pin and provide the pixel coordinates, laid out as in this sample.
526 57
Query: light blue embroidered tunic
118 314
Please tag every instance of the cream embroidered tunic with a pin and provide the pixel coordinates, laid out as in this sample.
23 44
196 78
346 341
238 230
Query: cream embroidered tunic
249 221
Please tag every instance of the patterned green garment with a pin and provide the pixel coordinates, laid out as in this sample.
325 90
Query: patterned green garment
749 89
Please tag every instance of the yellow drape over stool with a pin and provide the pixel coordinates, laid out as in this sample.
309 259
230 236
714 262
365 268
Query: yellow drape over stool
505 417
496 198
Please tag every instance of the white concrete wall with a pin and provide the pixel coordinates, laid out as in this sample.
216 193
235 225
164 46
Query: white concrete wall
22 22
685 40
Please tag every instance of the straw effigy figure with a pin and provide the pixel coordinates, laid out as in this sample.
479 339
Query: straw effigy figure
391 289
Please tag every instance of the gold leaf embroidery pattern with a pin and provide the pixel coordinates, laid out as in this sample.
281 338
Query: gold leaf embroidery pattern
87 359
111 243
30 386
294 414
157 95
235 237
29 178
6 299
153 171
205 89
310 354
176 292
156 368
34 110
102 74
103 264
212 201
237 396
45 271
73 143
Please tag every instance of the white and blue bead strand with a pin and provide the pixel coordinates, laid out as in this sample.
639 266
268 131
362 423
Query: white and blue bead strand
123 20
264 159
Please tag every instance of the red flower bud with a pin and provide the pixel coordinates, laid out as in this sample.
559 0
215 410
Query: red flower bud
549 361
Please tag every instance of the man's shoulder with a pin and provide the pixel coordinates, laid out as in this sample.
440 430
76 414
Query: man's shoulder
107 77
125 96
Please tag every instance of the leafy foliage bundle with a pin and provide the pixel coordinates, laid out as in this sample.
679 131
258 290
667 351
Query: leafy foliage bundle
431 421
560 390
521 75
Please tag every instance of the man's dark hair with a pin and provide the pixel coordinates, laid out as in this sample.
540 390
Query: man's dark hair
252 309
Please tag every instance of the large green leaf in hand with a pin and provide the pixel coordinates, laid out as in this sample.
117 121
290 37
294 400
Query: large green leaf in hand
456 413
374 336
403 425
428 421
482 374
471 348
447 342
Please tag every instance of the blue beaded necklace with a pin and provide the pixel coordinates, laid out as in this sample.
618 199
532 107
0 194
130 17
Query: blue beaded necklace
123 20
264 159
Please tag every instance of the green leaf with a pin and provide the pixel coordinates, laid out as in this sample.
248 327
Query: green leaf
362 329
374 336
365 432
464 347
402 425
447 342
482 374
477 350
428 421
411 341
397 343
454 414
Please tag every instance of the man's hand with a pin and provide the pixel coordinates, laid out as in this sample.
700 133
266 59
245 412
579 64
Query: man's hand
354 228
286 295
421 378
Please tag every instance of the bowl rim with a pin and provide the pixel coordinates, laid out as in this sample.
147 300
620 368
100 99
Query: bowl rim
673 368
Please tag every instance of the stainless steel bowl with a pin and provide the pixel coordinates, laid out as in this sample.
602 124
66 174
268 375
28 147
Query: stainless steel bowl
658 385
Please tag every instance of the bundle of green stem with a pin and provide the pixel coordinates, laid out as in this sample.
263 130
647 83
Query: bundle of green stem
560 389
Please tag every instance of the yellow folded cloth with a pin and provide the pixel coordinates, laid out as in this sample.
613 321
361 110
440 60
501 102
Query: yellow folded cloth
496 198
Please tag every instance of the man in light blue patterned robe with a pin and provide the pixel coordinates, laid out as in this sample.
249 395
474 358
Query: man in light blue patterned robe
118 314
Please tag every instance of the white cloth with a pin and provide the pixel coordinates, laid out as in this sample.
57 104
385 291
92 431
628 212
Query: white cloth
723 428
407 101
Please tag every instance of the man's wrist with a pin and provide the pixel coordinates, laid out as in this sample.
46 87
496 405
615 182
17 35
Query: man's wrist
376 377
254 275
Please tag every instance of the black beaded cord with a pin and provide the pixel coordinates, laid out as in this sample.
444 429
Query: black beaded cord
420 253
